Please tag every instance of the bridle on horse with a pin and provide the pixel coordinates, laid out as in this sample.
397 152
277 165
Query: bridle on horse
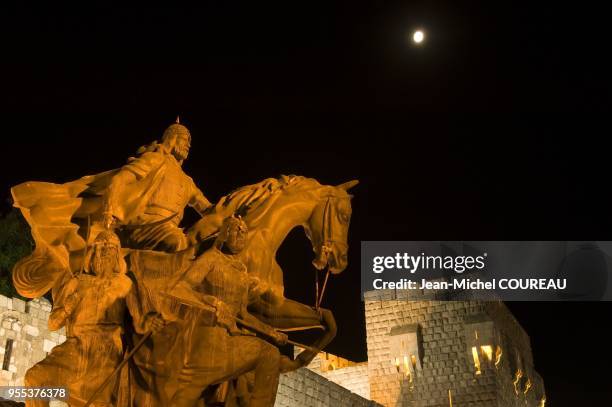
327 241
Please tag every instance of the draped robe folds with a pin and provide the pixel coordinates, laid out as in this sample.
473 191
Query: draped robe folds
58 215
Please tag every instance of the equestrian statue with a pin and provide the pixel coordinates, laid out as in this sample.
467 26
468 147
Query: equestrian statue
189 316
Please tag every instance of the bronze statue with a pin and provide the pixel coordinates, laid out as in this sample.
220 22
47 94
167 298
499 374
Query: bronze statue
92 306
144 202
145 199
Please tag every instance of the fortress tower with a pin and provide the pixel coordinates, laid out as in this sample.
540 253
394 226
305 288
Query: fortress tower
424 352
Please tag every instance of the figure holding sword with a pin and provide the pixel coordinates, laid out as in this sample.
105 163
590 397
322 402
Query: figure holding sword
217 288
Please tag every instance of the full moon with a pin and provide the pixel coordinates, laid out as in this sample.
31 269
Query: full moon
418 37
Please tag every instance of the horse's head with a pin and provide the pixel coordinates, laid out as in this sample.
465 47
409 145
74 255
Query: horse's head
328 227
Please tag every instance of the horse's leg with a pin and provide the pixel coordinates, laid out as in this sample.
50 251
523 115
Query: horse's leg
285 314
292 314
306 356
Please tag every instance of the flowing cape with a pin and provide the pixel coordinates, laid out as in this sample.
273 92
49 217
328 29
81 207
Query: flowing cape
59 215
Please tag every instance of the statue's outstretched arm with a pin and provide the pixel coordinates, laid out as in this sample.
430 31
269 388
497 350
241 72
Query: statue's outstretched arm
198 201
186 289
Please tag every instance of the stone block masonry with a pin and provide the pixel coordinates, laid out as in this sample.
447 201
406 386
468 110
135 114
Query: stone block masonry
305 388
25 338
473 352
351 375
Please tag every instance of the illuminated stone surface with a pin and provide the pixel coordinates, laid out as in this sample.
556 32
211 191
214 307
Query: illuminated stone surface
447 361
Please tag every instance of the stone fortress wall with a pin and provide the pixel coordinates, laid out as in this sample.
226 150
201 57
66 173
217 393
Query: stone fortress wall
305 388
346 373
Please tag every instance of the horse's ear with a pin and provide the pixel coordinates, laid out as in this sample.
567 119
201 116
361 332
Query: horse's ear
348 185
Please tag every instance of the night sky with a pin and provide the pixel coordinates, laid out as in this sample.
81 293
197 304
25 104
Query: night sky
495 128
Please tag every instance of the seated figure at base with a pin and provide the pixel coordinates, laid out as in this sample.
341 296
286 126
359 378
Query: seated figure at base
217 349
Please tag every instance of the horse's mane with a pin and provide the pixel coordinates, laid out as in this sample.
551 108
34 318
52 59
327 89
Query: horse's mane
252 201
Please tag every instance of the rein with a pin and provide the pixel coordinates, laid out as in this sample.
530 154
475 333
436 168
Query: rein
327 240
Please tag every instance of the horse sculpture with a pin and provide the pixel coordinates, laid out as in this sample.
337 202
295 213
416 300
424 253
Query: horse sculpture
271 209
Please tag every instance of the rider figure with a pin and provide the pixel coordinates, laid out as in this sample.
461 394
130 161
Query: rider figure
152 190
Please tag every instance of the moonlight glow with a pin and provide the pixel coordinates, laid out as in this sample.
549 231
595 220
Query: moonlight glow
418 37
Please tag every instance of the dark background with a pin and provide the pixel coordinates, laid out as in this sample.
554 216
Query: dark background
496 128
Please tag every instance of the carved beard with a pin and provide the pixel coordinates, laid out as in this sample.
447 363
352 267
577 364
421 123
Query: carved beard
103 266
180 153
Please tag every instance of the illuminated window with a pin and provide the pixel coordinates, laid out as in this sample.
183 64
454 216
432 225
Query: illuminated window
481 337
405 350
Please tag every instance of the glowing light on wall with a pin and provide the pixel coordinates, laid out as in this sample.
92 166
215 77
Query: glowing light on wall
476 360
487 350
517 378
404 349
498 356
527 386
403 365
